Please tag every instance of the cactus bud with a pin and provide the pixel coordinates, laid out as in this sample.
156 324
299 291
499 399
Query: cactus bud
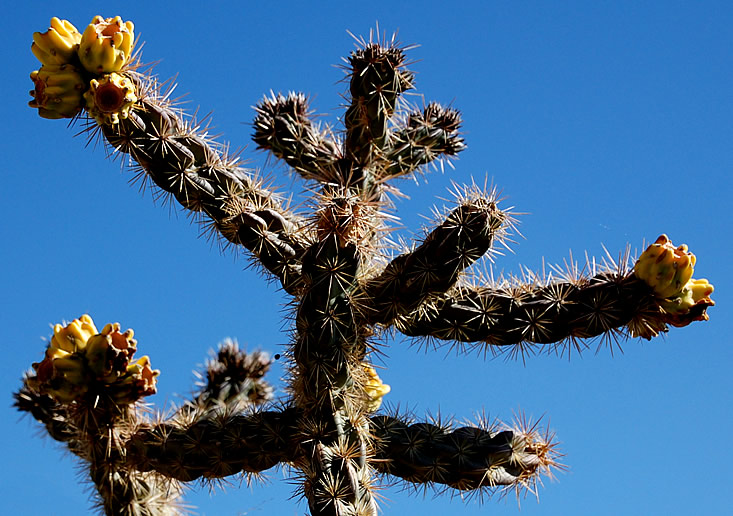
57 92
58 44
690 305
106 44
665 268
139 380
110 98
79 361
74 336
374 388
668 271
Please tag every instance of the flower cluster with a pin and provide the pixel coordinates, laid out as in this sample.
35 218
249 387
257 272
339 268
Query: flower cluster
81 361
74 62
668 271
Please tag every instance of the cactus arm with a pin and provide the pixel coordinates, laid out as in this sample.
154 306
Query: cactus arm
466 458
377 79
89 383
607 303
94 435
232 381
428 135
122 491
283 127
214 447
187 165
433 267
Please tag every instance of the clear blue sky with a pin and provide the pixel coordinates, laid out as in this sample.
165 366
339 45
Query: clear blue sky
607 123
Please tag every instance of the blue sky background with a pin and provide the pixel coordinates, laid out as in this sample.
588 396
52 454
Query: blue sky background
606 122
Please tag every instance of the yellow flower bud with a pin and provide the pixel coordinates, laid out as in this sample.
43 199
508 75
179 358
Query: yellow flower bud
58 91
668 270
110 98
74 336
695 292
58 44
81 362
106 44
665 268
140 380
374 389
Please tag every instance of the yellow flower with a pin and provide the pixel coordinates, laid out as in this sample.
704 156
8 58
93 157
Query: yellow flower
695 292
140 380
665 268
110 98
668 271
74 336
57 92
374 388
106 44
110 352
82 364
58 44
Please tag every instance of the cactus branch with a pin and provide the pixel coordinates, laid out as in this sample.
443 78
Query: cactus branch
213 447
283 127
182 161
467 458
607 303
432 268
377 79
429 134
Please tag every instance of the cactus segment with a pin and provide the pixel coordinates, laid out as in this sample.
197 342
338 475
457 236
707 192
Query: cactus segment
58 45
429 134
328 354
182 161
214 447
467 459
605 304
668 271
232 381
432 268
377 78
106 45
282 126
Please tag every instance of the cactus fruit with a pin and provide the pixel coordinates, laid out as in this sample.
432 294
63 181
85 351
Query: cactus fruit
345 292
106 45
58 44
57 92
668 271
110 98
80 362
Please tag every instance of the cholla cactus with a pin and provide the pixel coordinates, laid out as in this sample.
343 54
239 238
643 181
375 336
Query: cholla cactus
345 292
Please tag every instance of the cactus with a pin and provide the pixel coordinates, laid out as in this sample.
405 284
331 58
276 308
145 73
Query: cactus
346 291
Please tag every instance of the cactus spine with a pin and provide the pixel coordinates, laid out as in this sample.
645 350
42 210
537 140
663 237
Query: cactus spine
344 290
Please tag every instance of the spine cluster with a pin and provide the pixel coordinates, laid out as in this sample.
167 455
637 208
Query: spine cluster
345 292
